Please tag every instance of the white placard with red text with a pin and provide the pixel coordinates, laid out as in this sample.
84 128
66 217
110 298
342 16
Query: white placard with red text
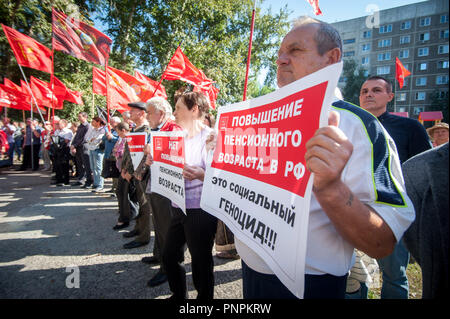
256 180
167 168
136 143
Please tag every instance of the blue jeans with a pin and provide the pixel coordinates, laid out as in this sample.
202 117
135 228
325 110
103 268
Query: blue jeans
96 163
395 281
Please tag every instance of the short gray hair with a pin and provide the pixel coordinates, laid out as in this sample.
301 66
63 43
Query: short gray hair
327 37
160 104
116 119
126 114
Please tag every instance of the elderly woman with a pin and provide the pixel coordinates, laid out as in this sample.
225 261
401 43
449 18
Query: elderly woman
196 228
93 140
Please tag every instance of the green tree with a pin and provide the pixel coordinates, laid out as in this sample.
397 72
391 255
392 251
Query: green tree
439 102
354 78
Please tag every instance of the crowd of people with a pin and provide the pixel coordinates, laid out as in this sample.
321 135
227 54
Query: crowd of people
356 208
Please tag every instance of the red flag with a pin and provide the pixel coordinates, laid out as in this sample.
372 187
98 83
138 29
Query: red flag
124 88
79 39
59 88
74 97
151 84
29 52
180 68
14 99
400 72
12 85
43 94
315 5
98 81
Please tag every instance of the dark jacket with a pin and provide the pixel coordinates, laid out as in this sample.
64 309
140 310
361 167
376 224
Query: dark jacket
426 181
78 140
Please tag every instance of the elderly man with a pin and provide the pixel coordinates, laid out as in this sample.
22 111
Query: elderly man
438 133
349 207
159 112
410 139
138 112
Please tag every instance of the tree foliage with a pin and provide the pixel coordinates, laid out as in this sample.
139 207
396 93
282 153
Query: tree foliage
354 79
213 34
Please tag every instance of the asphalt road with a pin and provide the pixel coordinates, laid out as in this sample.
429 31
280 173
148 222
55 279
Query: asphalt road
54 238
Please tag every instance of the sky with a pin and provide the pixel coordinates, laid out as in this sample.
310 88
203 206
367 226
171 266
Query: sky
334 10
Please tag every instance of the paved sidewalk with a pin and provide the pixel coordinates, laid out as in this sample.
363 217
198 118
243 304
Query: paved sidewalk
44 229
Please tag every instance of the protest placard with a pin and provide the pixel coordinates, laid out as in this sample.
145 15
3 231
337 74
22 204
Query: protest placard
136 143
256 180
167 168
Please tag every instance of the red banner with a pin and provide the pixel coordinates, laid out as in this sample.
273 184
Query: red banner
169 150
98 81
43 94
79 39
151 85
29 52
400 72
180 68
12 98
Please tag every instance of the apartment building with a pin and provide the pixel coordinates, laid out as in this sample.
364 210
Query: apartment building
418 34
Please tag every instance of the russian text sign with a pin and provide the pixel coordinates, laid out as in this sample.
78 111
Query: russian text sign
136 143
167 168
256 180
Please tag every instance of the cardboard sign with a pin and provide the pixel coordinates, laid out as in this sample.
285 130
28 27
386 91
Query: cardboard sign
167 168
136 143
256 180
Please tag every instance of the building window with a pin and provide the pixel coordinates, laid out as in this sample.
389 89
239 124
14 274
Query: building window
385 28
405 25
425 21
444 18
418 109
349 53
367 34
442 95
423 51
422 66
383 70
384 56
424 36
384 43
421 81
348 41
403 54
420 96
443 49
401 97
442 79
405 39
365 60
442 65
443 34
366 47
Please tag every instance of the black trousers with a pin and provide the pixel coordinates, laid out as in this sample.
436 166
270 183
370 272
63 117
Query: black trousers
26 162
62 171
128 208
196 229
161 216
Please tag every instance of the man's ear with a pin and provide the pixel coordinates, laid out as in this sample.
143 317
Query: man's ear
333 56
391 96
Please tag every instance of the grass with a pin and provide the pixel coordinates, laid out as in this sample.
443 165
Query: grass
414 274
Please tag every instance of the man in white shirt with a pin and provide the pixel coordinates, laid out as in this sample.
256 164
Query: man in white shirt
358 196
62 153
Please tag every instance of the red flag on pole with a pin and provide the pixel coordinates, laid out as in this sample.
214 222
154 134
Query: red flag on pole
98 81
13 85
43 94
14 99
79 39
315 5
74 97
29 52
180 68
400 72
120 93
151 85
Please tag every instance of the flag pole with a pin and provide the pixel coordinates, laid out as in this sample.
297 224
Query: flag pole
32 95
249 51
162 76
395 91
107 82
51 76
